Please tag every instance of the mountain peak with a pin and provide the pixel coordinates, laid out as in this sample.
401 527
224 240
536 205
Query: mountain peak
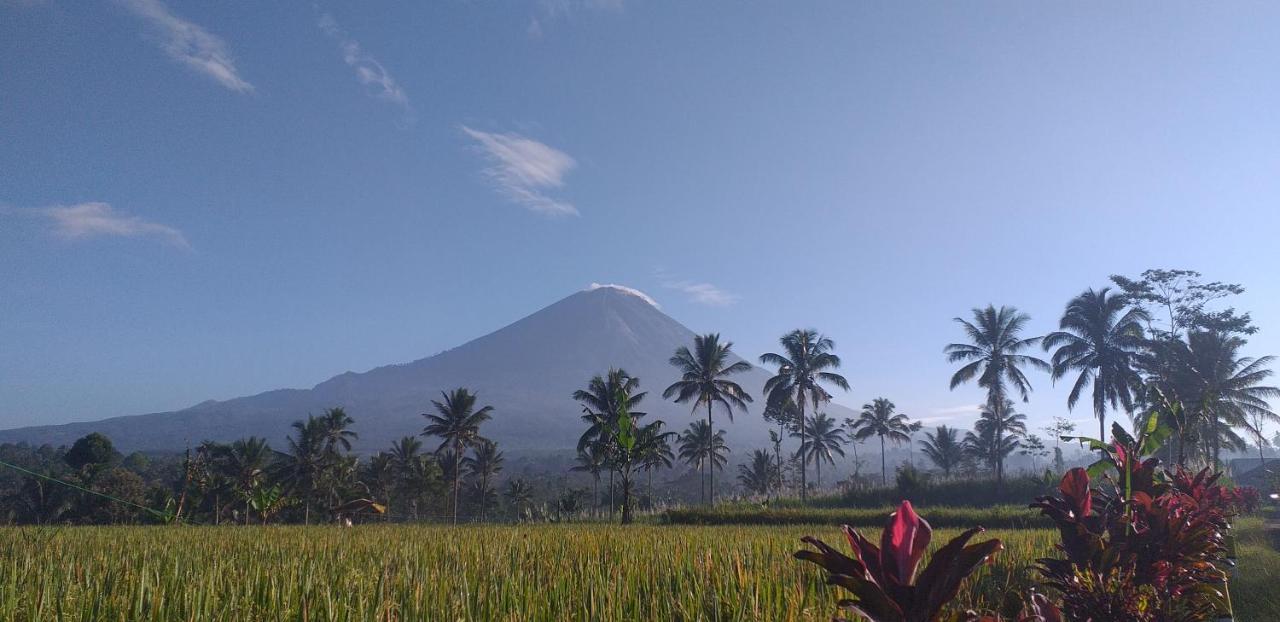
630 291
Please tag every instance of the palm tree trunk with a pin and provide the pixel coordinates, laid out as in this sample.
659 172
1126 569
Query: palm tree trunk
595 493
803 482
817 462
711 468
778 450
611 495
626 496
884 470
648 472
457 472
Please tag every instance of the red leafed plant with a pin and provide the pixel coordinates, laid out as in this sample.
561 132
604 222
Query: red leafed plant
883 579
1138 543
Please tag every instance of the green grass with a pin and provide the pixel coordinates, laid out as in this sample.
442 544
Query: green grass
995 517
545 572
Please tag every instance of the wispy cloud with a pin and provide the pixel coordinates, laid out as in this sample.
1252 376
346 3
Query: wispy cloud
703 293
548 11
369 71
956 411
95 219
523 169
189 44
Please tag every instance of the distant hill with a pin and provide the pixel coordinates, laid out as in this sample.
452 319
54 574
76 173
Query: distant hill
527 371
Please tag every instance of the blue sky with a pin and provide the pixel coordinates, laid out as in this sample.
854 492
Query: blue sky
205 200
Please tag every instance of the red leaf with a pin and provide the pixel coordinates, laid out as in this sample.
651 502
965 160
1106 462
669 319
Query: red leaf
1075 489
903 543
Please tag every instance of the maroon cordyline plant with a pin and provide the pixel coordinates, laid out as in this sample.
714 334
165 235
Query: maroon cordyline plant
883 579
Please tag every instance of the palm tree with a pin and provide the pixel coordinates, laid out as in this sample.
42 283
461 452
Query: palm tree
337 433
307 461
943 448
998 430
704 374
382 475
984 445
484 462
457 423
758 475
603 401
404 454
246 463
1100 337
880 419
593 460
823 440
655 451
519 495
1222 389
698 446
807 363
992 356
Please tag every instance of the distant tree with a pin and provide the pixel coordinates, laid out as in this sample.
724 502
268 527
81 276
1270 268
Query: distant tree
698 446
823 440
943 448
457 423
403 457
1100 336
91 453
1183 300
304 466
1005 425
126 491
519 496
1034 448
482 496
758 474
912 428
484 463
381 476
787 415
246 465
1060 427
655 451
338 434
806 361
592 460
879 418
704 381
775 439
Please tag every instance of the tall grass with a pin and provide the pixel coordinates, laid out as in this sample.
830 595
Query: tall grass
403 572
996 517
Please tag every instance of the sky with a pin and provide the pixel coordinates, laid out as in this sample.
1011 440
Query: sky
207 200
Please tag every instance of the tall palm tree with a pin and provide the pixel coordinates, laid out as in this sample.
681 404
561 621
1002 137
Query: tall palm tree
457 423
985 446
806 362
704 380
943 448
592 460
823 440
698 446
992 356
484 462
879 418
403 454
1100 336
758 474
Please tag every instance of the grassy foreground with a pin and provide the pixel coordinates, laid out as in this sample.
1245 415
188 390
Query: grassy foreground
545 572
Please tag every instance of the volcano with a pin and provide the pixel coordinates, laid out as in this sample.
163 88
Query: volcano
527 371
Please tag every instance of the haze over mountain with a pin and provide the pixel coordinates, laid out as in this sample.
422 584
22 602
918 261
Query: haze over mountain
527 371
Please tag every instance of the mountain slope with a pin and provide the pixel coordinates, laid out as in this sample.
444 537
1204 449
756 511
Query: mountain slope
526 371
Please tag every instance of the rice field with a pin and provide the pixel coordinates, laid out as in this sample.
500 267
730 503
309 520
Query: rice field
418 572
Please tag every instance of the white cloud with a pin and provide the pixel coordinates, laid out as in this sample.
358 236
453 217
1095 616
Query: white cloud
956 411
189 44
369 71
522 169
703 293
95 219
551 10
626 290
